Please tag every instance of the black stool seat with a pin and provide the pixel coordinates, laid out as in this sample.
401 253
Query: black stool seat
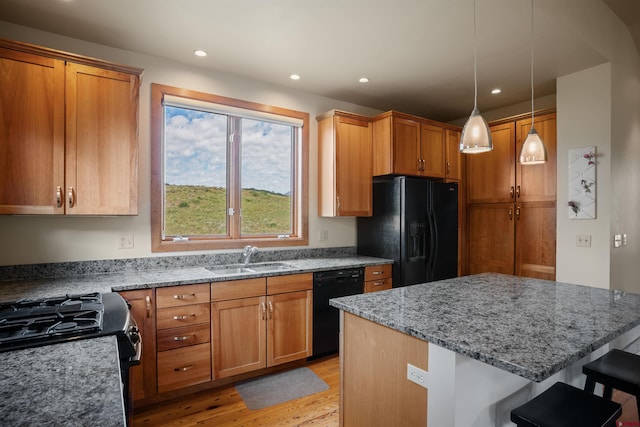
562 405
618 370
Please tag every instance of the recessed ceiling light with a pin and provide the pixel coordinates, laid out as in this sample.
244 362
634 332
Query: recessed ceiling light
294 77
496 91
200 52
363 80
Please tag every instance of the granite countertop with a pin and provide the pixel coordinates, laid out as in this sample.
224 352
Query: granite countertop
532 328
57 389
144 279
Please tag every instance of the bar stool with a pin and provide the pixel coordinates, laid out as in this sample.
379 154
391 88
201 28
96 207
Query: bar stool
618 370
563 405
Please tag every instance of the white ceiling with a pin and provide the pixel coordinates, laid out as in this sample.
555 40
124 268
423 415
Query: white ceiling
418 54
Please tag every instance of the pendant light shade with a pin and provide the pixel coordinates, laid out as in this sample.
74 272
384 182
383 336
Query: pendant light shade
475 137
533 151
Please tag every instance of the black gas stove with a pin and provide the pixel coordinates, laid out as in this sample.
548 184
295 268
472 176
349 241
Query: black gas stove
30 323
34 322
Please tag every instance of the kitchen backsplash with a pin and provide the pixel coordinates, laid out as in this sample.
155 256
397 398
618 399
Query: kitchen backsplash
62 269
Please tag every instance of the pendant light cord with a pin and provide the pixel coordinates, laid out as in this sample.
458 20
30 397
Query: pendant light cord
532 64
475 59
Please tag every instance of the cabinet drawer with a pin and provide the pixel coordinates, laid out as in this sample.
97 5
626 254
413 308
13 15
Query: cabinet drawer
183 367
377 272
176 296
377 285
185 336
289 283
173 317
236 289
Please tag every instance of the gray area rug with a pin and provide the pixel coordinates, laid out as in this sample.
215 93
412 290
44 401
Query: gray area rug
280 387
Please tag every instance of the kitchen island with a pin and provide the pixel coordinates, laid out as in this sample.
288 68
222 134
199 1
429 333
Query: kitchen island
483 344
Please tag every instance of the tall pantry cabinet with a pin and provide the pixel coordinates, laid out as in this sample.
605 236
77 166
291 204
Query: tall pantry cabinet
511 209
68 133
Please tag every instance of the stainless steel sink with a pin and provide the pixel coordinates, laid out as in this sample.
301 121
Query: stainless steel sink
225 270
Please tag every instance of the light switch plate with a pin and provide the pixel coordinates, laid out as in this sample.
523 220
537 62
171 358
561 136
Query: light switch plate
583 240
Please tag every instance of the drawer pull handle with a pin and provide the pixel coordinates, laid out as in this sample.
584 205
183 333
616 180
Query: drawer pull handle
378 283
183 316
377 272
264 311
184 368
183 296
183 338
148 305
270 310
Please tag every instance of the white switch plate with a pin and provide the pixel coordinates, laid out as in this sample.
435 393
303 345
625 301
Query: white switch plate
323 235
583 240
125 241
417 375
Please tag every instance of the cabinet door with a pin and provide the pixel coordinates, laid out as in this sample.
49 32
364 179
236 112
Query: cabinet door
289 327
536 240
537 183
238 329
491 175
101 141
491 238
353 167
142 377
432 141
453 156
406 147
31 133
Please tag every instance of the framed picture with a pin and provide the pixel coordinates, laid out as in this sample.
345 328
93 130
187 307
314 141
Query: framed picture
582 183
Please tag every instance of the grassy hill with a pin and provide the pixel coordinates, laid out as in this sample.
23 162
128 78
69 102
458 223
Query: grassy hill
193 210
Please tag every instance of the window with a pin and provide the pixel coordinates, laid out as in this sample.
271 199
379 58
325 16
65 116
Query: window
226 172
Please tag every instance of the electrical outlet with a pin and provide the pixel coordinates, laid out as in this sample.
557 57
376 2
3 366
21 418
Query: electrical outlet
125 241
417 375
323 235
583 240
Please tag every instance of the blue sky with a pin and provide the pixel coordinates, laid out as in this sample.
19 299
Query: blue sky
196 151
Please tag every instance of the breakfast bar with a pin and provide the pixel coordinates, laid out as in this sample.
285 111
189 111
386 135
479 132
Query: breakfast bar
466 351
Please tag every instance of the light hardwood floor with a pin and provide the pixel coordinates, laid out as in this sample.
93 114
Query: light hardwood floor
225 407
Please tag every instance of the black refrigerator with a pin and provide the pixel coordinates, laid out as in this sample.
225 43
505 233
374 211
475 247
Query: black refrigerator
415 223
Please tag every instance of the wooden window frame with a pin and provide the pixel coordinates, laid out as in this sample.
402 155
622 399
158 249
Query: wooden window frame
300 216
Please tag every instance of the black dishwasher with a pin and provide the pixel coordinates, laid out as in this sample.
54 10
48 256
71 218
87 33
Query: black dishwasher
326 320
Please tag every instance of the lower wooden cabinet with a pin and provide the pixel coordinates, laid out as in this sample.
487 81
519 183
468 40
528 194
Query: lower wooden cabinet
183 367
258 323
183 336
513 238
142 377
377 278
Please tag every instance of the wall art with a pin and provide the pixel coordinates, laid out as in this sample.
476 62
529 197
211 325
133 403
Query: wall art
582 183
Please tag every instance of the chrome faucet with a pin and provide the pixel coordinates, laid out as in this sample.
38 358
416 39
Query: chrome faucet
246 254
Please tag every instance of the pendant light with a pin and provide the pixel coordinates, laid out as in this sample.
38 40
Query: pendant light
475 137
533 151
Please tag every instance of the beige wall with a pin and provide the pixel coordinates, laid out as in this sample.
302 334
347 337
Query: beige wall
28 239
584 119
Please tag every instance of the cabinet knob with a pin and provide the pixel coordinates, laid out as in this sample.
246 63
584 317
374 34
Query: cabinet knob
510 214
518 191
511 192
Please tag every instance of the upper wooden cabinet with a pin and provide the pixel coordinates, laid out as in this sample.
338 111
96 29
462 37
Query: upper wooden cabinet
453 167
68 133
344 165
408 145
497 176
